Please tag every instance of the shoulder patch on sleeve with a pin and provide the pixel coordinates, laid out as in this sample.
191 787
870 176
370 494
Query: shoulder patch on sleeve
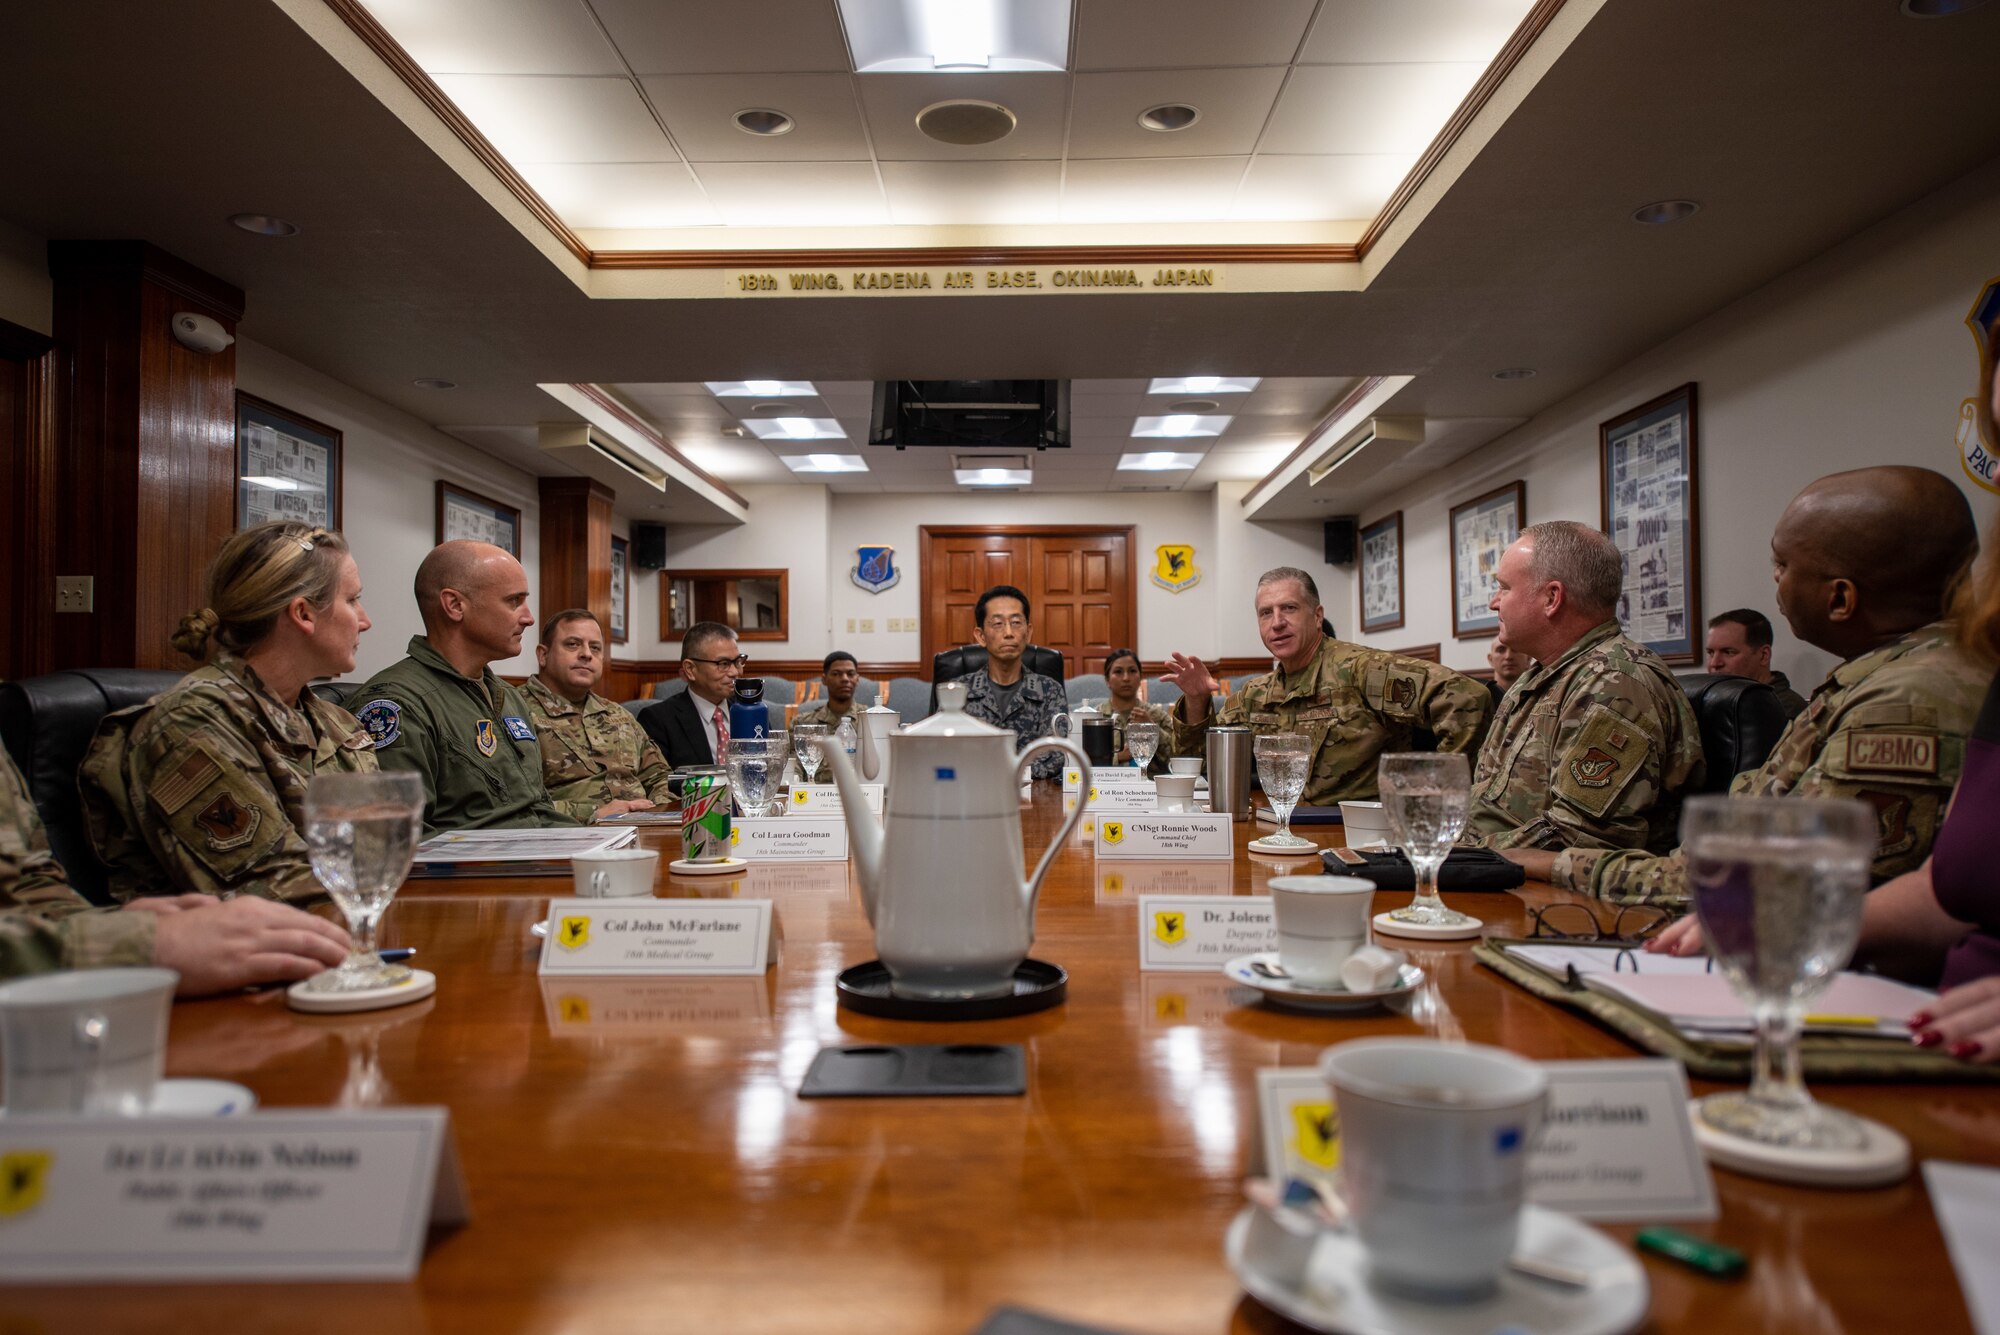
383 719
227 822
175 788
1887 751
1600 761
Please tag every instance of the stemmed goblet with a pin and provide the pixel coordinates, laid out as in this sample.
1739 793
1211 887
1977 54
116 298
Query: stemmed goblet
803 737
362 831
1282 758
1425 795
1142 741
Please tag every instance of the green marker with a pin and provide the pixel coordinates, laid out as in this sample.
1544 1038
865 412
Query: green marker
1711 1258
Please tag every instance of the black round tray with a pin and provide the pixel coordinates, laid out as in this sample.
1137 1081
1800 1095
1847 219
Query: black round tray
864 989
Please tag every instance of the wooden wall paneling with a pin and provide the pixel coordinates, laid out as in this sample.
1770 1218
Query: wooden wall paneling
575 547
955 566
27 498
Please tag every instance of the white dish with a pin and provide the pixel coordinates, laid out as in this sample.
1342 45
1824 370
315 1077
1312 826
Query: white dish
1327 1000
197 1098
1387 925
420 984
1882 1158
1318 1281
1303 847
682 867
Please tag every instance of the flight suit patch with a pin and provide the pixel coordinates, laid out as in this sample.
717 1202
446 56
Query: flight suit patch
227 823
383 719
485 736
518 728
1600 762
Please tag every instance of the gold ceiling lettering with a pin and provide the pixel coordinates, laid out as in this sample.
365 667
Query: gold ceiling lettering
937 281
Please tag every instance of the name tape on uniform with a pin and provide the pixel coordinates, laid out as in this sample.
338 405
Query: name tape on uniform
823 799
789 838
268 1195
1176 836
662 936
1202 932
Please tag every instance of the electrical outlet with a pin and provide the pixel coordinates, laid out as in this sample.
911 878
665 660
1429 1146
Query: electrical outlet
76 593
850 625
868 625
898 623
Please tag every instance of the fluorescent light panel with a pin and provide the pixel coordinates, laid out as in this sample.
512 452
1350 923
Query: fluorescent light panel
794 428
956 36
760 389
993 477
1205 384
1180 426
1156 461
825 463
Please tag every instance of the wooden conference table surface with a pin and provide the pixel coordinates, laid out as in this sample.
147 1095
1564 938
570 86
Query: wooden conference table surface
642 1161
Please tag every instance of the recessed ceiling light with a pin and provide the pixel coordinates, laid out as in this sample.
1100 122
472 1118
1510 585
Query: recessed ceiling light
825 463
1168 117
966 122
1156 461
761 389
432 382
1193 406
1180 426
992 477
795 428
1515 373
1666 211
1939 9
946 36
763 122
263 224
1204 384
774 409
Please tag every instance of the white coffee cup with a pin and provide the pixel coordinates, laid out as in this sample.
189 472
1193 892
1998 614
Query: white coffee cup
1188 765
616 873
1434 1147
1365 823
1372 968
1173 792
86 1041
1321 921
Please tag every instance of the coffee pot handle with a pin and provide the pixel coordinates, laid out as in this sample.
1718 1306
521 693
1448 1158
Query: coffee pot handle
1075 752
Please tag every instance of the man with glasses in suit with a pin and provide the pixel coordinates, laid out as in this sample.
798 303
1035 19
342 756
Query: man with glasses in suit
692 728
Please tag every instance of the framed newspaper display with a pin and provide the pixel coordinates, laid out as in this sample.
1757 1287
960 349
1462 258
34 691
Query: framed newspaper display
1382 574
1649 487
466 514
287 466
621 597
1481 530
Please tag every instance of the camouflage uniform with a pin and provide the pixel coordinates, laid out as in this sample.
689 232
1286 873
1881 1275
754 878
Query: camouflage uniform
202 789
1353 704
44 924
1590 751
1888 727
823 713
1031 714
1794 703
468 737
593 753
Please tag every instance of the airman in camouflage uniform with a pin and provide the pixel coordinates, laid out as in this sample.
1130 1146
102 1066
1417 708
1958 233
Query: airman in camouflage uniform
824 712
203 789
1592 750
1888 727
1353 704
593 753
44 923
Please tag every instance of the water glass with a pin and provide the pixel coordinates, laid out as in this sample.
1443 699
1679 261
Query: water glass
752 774
1778 884
804 735
362 831
1142 741
1426 794
1282 758
781 769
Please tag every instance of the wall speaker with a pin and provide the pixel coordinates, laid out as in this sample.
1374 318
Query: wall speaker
649 546
1340 541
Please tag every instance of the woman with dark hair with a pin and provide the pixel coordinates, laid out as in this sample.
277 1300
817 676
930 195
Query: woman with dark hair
1124 676
202 790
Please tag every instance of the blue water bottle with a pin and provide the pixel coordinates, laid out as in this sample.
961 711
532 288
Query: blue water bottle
747 715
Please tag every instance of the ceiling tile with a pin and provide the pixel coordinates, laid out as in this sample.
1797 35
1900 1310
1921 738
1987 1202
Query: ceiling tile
723 37
1309 189
621 194
1178 34
1366 108
1373 31
698 109
1150 190
792 194
1104 113
940 193
892 102
498 36
540 119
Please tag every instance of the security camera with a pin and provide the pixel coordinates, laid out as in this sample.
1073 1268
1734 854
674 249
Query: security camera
201 333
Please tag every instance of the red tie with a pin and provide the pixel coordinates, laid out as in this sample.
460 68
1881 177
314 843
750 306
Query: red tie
721 733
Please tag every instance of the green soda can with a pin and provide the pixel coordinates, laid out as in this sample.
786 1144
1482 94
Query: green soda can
705 816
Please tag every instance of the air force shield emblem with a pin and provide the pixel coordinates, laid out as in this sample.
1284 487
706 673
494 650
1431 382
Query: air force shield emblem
1174 568
875 568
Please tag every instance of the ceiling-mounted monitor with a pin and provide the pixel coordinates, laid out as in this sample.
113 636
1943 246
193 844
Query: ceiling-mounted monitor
959 414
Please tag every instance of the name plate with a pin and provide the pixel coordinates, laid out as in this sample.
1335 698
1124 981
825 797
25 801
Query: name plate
1114 799
1203 932
658 937
1616 1144
823 799
269 1195
1112 776
1297 1123
596 1007
789 838
1126 881
1182 835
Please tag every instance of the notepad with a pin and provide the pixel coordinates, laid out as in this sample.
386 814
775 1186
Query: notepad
1705 1004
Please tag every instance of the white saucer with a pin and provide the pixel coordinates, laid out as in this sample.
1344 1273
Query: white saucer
1884 1157
1318 1281
1265 845
1298 996
200 1098
1388 926
420 984
682 867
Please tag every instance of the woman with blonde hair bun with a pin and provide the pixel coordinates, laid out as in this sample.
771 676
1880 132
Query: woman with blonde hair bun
202 790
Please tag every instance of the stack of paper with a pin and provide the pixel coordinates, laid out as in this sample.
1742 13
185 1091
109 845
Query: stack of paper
1703 1005
512 852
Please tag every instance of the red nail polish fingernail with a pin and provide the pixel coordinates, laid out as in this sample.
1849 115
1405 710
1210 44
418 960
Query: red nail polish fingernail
1930 1038
1964 1049
1920 1019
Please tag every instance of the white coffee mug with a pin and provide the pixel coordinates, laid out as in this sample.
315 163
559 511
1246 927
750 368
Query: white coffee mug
616 873
87 1041
1173 792
1434 1141
1321 921
1188 765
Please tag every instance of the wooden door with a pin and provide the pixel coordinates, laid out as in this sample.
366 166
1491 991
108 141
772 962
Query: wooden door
1079 579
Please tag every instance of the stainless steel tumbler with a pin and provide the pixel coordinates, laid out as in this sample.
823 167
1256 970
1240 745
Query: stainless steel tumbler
1230 766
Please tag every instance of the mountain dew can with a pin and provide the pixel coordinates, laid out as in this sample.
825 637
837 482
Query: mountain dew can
705 816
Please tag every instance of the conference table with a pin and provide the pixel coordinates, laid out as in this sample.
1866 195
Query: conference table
638 1157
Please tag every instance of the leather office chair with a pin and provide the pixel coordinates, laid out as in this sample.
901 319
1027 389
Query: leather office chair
952 664
47 723
1741 720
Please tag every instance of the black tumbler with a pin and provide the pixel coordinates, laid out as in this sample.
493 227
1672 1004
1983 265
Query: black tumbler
1100 741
